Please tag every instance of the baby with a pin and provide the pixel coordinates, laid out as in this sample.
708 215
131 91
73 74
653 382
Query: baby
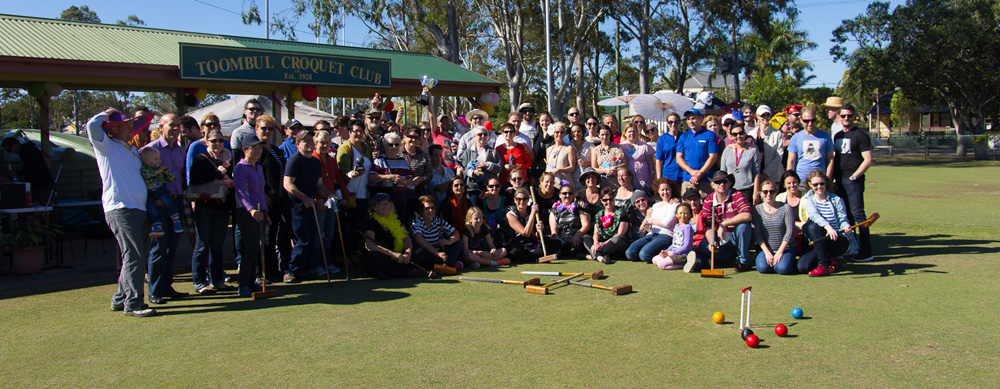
156 177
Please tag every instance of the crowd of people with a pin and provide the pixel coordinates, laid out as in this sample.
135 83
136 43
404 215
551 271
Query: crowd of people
449 191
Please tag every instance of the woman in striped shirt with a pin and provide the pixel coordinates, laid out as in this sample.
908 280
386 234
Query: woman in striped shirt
827 226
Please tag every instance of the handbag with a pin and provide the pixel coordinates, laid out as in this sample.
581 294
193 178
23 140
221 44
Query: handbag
210 191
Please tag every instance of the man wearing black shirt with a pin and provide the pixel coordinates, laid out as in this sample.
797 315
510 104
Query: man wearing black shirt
852 158
303 182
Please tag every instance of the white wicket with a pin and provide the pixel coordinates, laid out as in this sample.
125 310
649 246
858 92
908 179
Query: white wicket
745 295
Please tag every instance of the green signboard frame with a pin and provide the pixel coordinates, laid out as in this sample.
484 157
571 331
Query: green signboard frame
224 63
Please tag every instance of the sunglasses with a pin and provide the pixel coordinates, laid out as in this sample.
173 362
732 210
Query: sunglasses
508 132
591 123
817 184
728 124
527 111
393 144
566 193
269 128
639 122
217 140
429 208
765 115
516 179
458 186
211 124
477 118
796 114
673 121
768 191
807 121
481 134
608 200
413 136
254 109
846 116
574 114
738 134
520 199
491 186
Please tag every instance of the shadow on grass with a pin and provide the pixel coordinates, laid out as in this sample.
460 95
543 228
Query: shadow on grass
356 291
900 247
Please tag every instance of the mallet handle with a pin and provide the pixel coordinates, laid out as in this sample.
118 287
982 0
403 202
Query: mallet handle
561 280
590 285
480 279
551 273
541 235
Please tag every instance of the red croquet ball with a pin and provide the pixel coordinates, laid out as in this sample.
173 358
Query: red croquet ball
753 341
780 330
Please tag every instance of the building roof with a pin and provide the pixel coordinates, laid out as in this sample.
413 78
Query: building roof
60 40
701 80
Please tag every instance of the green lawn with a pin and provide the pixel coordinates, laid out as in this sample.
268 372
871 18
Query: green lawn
924 314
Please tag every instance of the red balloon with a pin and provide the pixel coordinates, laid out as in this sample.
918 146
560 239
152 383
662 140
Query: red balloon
780 330
191 91
389 106
489 126
309 93
753 341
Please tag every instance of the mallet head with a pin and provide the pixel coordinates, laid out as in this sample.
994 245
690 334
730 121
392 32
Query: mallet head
620 290
533 281
536 289
597 274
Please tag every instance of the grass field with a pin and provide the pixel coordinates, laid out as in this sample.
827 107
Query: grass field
924 313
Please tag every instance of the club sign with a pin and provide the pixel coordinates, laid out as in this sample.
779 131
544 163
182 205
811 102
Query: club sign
222 63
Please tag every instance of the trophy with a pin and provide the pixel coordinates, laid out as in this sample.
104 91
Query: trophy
429 83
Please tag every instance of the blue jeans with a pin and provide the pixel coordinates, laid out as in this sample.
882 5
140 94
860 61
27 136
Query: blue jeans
305 252
853 193
131 229
161 260
739 247
211 226
250 248
169 207
785 265
647 247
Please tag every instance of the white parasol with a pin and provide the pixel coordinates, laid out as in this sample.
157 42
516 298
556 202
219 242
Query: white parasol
619 100
657 106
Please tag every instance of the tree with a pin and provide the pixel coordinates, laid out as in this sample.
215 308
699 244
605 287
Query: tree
767 88
903 110
779 50
682 38
635 18
509 20
572 39
79 14
131 20
933 51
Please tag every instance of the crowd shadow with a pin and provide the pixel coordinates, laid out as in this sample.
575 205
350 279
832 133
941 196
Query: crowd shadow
339 292
893 252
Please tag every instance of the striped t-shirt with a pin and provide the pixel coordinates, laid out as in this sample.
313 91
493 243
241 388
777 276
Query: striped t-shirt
433 234
825 209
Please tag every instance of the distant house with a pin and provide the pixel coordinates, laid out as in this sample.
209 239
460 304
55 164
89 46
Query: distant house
700 81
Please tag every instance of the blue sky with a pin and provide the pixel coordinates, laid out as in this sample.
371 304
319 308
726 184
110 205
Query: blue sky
818 17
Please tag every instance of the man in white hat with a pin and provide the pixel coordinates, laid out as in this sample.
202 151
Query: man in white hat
763 130
528 126
832 107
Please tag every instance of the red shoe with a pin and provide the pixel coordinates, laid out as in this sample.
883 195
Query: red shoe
503 262
821 271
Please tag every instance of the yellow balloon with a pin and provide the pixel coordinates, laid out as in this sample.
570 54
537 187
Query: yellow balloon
297 93
200 94
488 108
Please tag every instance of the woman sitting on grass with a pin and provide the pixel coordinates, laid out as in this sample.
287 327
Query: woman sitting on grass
522 222
570 223
792 194
389 247
657 225
774 229
477 240
611 230
437 241
827 225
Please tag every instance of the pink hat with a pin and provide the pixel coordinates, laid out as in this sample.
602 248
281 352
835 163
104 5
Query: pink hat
117 118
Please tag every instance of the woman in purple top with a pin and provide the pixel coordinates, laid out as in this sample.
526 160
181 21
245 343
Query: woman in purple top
211 216
250 214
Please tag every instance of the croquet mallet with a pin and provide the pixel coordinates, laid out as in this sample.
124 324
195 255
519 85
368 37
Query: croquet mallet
541 234
867 223
533 281
264 293
595 275
615 291
544 289
340 232
712 273
430 274
445 270
322 247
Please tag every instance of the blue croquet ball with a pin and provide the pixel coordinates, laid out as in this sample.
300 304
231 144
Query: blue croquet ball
797 313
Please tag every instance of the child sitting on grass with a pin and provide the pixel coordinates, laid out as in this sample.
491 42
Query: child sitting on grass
478 242
156 176
675 256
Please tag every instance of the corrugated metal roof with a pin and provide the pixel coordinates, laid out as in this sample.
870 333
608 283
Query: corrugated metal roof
65 40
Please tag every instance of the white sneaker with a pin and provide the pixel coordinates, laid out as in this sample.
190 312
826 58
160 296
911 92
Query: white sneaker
318 272
691 259
869 259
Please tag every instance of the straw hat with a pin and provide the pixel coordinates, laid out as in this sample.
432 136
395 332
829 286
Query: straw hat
833 102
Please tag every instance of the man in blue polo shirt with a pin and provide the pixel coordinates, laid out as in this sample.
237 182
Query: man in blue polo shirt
666 150
697 153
